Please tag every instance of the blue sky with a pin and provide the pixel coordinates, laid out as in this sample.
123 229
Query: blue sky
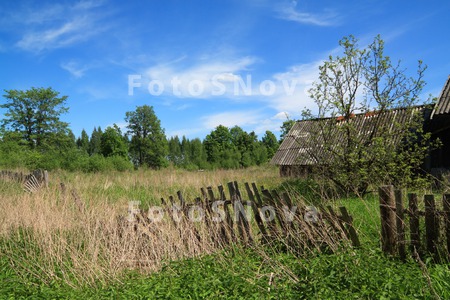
206 62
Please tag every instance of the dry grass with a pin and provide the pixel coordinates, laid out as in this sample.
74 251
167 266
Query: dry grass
50 237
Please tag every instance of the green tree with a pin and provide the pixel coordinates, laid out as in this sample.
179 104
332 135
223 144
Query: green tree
197 154
365 80
287 125
83 141
35 113
175 155
259 153
112 142
95 141
148 145
220 150
269 140
246 143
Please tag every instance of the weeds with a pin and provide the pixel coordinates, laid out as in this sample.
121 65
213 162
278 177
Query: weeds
51 249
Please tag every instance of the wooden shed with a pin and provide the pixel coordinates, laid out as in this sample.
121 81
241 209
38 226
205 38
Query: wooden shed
299 152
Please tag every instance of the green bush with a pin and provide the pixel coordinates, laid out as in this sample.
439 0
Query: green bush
97 163
120 163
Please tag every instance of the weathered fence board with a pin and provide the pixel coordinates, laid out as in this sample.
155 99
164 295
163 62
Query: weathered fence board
261 216
446 206
32 182
400 224
387 203
414 223
436 238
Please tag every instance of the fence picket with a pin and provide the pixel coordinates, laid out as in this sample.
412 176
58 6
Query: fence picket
388 239
446 205
400 222
431 226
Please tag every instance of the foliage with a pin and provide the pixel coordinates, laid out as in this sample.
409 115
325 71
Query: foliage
32 136
95 141
112 143
235 148
34 114
239 274
148 145
29 269
285 127
83 141
365 80
269 140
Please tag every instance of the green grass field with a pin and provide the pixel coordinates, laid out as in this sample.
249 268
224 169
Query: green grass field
51 250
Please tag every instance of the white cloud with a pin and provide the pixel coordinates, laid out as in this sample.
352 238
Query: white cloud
288 11
282 115
74 68
228 77
183 107
122 125
267 124
249 120
187 132
292 89
55 26
232 118
202 80
66 34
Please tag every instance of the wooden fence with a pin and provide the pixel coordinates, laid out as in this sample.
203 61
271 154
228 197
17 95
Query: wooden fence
260 216
31 182
403 230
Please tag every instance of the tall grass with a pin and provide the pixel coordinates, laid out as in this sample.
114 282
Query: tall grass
49 237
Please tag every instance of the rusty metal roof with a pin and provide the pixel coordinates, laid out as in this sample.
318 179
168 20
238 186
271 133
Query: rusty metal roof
443 104
306 141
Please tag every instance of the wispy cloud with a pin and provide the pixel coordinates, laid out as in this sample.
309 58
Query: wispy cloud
203 79
56 26
63 35
288 11
292 89
121 124
250 120
74 68
232 118
187 132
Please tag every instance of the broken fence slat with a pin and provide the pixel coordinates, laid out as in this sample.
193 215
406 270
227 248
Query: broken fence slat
353 236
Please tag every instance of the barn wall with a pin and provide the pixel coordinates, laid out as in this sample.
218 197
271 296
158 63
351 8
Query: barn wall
296 171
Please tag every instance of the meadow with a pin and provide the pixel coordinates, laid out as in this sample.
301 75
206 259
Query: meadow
51 246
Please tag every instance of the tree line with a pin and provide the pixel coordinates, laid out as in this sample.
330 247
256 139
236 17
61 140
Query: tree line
32 135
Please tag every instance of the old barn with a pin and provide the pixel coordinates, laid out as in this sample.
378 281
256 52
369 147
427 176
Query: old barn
299 151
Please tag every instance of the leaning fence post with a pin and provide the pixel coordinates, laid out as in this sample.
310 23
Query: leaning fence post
387 203
400 222
350 229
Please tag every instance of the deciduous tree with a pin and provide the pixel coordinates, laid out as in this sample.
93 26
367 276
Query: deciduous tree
35 114
269 140
148 145
113 143
364 80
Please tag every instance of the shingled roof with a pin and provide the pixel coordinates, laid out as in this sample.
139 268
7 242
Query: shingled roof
443 104
303 145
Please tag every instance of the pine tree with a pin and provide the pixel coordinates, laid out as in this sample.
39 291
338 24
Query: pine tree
83 141
95 141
